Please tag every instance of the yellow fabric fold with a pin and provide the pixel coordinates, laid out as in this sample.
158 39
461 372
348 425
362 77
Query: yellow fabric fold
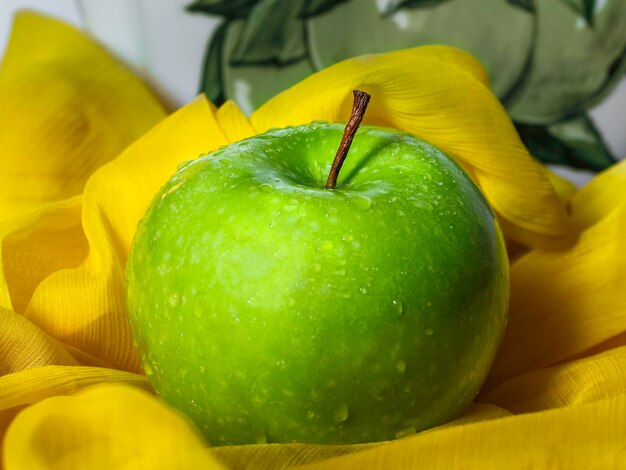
441 95
233 122
581 437
34 385
24 346
584 380
34 246
66 108
567 301
563 187
282 456
19 390
105 427
600 196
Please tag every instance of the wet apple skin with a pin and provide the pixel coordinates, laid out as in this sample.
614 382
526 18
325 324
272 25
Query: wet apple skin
270 309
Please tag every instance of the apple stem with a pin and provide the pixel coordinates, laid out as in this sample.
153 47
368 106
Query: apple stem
361 99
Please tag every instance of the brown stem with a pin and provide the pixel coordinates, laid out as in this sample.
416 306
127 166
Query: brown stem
361 99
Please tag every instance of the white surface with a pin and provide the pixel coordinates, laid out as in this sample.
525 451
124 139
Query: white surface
161 42
116 23
610 117
175 46
64 9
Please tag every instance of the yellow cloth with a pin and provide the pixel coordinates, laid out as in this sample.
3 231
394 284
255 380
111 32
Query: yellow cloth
80 159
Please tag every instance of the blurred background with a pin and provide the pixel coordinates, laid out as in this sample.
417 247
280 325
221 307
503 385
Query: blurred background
558 66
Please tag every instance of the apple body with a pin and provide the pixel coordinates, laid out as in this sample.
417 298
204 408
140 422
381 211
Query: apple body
270 309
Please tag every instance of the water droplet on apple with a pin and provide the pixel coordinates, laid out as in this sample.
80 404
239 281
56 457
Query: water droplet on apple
398 307
311 415
429 332
361 202
423 187
327 245
341 414
266 187
426 177
422 205
317 267
163 269
174 299
148 369
183 165
202 369
401 367
395 147
170 190
363 290
439 183
400 213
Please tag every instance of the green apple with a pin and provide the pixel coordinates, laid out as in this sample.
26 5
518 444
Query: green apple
271 309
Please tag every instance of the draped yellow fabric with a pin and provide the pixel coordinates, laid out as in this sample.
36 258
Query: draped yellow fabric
67 108
82 157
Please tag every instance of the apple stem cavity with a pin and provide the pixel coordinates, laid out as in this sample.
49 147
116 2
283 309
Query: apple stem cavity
361 100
